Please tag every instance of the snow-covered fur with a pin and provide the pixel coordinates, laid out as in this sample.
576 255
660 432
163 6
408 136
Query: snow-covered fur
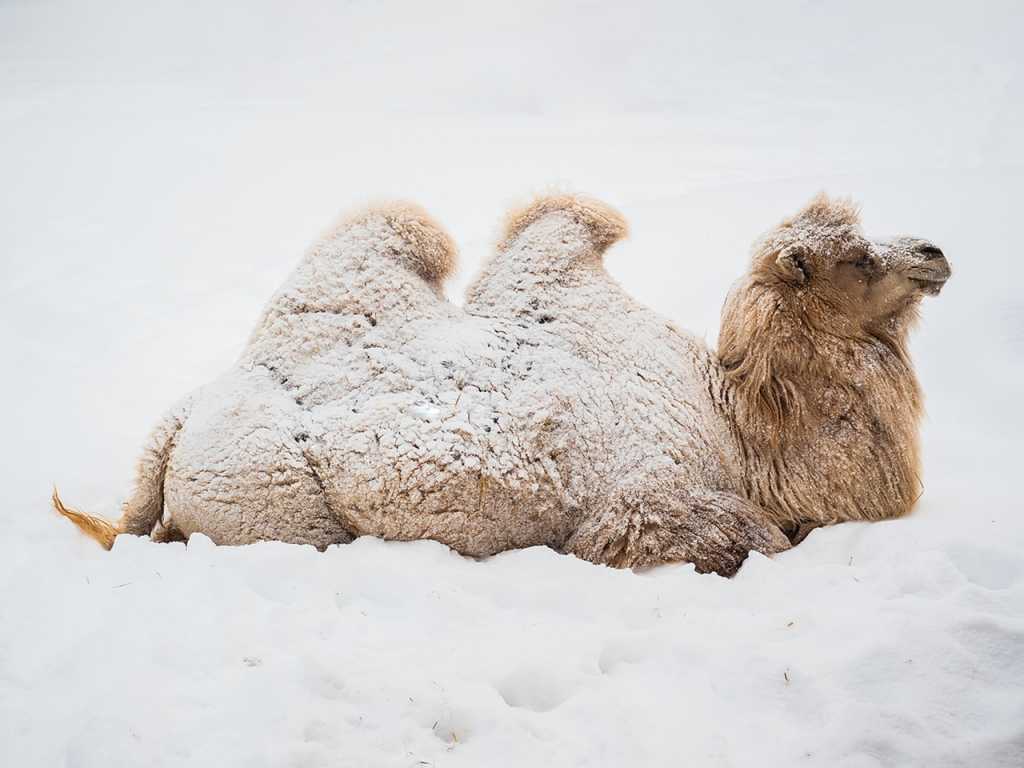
553 408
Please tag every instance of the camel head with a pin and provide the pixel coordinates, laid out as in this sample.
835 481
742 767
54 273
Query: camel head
818 297
813 346
842 282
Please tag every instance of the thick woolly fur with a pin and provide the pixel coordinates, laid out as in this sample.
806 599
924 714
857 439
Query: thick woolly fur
813 341
553 408
603 223
424 245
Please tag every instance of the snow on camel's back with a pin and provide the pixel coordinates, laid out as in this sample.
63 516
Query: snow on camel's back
552 408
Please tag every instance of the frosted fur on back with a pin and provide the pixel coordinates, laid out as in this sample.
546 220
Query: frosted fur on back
413 235
548 261
603 223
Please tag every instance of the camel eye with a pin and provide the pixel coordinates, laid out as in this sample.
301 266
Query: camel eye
865 262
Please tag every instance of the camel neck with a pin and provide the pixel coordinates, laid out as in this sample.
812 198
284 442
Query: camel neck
827 425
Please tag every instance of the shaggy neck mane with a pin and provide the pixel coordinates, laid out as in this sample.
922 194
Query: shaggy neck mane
826 417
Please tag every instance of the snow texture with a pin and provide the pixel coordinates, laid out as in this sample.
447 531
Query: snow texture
165 162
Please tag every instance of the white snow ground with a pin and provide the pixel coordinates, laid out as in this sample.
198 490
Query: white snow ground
165 164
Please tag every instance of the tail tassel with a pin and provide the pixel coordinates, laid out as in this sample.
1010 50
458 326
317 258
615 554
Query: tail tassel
103 531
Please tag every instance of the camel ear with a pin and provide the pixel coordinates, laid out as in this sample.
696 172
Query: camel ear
792 260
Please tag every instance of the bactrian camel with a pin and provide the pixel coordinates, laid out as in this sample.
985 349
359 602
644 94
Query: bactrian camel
552 408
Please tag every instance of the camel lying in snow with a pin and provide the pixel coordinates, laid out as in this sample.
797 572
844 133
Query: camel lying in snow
553 408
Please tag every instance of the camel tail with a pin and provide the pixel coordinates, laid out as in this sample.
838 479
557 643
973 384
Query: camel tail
144 508
97 528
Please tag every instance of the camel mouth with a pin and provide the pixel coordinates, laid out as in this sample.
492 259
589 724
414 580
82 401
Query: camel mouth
931 272
930 287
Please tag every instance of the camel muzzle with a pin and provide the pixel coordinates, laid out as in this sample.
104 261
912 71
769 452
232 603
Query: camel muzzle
925 264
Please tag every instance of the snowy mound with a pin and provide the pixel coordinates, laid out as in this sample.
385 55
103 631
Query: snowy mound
859 648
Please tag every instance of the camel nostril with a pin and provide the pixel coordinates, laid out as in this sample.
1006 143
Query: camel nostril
930 252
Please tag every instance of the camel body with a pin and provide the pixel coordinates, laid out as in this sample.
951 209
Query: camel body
552 409
365 404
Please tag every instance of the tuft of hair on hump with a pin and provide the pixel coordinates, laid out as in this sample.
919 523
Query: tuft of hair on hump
432 253
96 528
822 209
604 223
